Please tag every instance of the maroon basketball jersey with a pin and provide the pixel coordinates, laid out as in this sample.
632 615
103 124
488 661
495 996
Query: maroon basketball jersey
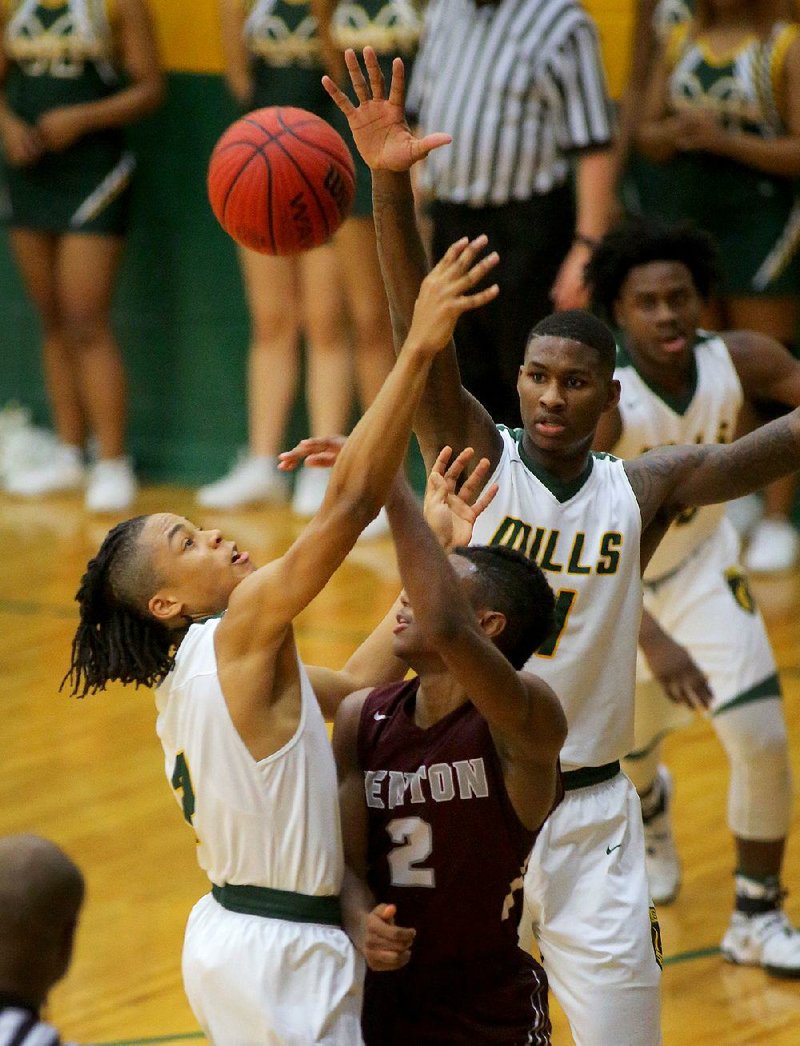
446 846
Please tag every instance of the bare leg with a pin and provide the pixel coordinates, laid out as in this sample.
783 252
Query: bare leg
35 253
329 378
366 298
272 289
87 267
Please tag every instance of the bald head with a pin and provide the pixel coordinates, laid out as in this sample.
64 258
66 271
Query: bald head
41 893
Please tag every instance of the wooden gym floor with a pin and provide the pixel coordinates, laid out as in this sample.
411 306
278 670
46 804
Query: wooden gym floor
89 775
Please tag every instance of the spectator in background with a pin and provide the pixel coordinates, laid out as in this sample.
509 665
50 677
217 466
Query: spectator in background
73 74
41 894
721 120
274 56
520 86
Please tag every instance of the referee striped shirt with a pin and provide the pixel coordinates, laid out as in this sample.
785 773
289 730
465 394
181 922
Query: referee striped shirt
20 1026
519 85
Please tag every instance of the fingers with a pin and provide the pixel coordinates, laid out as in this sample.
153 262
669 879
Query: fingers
420 147
384 961
459 261
458 466
692 690
356 75
376 82
397 88
338 96
443 457
315 451
486 498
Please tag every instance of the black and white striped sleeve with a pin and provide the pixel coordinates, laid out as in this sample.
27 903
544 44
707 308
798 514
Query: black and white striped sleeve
19 1027
586 118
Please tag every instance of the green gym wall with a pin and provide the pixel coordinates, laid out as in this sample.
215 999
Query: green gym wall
179 311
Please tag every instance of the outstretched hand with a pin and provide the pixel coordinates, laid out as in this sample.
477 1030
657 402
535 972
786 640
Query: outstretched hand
313 452
443 295
378 123
386 946
449 513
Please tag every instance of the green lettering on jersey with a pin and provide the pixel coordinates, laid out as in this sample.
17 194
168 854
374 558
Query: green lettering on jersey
575 565
565 599
609 553
182 783
513 533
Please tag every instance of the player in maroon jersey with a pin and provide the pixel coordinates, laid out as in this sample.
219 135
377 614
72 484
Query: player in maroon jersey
445 781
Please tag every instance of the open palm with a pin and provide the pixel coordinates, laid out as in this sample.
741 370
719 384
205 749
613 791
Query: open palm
378 123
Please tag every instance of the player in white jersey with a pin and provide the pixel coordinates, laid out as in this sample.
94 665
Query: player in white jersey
586 886
265 958
703 642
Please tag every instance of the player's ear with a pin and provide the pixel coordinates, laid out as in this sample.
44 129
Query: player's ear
614 391
166 608
492 622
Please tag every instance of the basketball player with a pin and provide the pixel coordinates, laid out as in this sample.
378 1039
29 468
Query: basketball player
684 385
591 522
265 959
445 781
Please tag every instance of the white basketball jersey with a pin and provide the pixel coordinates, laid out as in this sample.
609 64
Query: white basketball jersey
272 822
650 419
586 537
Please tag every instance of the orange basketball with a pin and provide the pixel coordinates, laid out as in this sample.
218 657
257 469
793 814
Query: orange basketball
281 180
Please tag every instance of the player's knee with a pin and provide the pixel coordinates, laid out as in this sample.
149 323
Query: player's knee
755 733
760 791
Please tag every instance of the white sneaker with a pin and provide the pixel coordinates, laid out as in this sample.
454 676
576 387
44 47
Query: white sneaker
309 491
111 486
377 528
251 480
745 513
774 547
62 471
768 940
661 854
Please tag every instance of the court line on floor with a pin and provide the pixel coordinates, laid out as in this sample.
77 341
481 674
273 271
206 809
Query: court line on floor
672 960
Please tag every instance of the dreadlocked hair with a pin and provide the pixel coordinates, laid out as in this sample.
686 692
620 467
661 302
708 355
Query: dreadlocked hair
640 241
117 640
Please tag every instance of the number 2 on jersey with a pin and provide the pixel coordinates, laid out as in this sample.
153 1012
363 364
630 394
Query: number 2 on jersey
414 841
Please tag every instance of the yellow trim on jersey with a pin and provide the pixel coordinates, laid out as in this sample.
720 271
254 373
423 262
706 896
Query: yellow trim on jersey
675 42
777 62
719 61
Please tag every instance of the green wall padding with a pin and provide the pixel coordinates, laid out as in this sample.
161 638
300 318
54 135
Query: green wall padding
179 311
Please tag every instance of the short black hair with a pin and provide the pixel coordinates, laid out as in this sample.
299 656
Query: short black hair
640 241
117 638
581 326
506 580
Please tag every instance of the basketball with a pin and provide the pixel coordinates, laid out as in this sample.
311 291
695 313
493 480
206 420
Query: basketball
281 180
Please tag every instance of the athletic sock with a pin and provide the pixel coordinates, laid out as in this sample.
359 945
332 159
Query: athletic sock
754 896
654 800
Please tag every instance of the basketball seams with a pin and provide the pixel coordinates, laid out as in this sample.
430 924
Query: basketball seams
303 175
299 167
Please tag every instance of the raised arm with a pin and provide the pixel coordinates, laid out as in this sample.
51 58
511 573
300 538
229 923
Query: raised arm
448 414
523 713
451 514
269 599
670 479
